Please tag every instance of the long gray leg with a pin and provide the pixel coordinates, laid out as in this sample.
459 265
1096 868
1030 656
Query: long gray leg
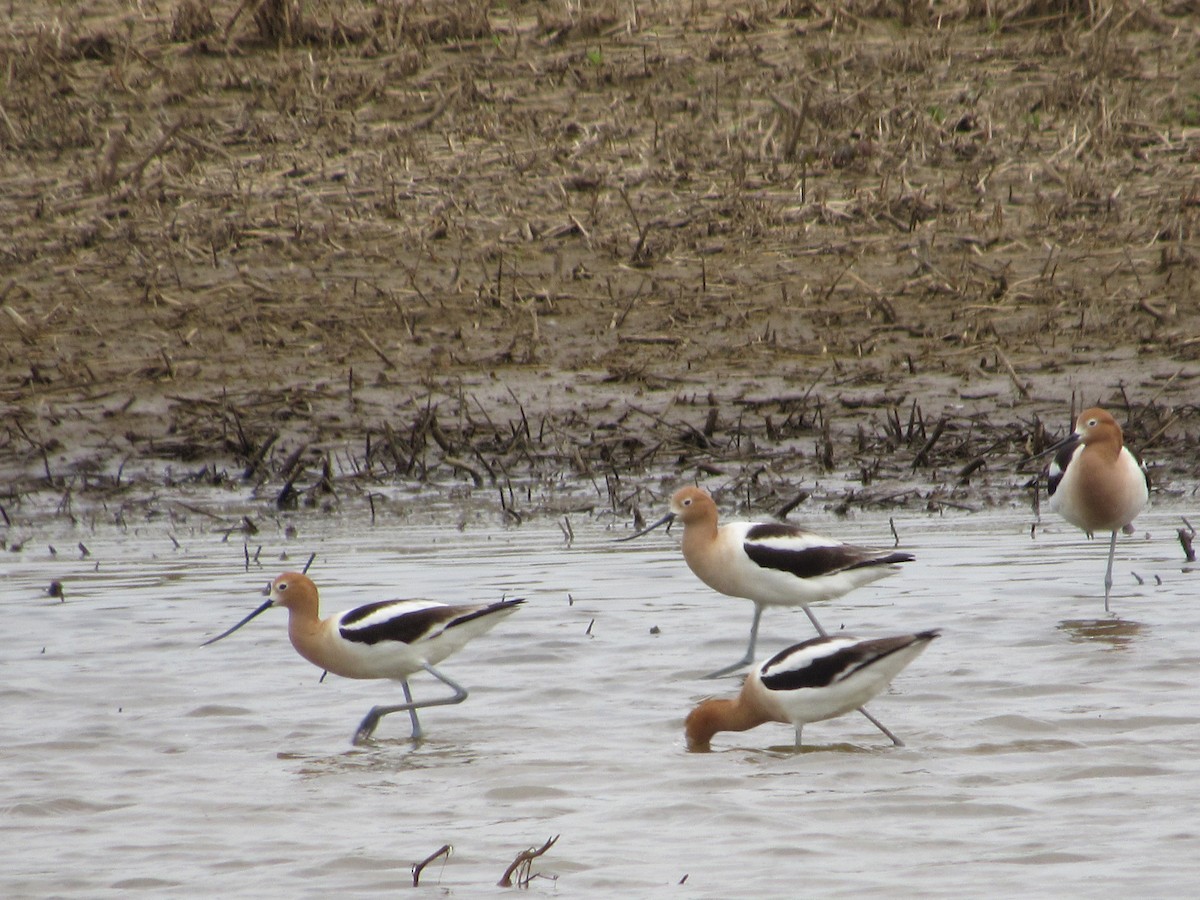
862 709
817 625
874 721
369 723
749 657
1112 549
417 734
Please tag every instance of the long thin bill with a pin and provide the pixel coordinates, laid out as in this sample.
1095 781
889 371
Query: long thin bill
665 520
1069 441
262 609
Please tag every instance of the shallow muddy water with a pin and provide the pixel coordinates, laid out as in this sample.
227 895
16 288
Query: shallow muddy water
1050 749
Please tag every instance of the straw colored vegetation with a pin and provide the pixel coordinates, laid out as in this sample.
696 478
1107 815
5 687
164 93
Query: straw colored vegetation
543 247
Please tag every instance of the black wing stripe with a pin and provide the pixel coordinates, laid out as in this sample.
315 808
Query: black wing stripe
825 670
485 611
406 628
413 626
819 673
763 531
888 560
817 561
1058 468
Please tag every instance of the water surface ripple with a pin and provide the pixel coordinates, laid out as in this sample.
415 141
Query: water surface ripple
1050 749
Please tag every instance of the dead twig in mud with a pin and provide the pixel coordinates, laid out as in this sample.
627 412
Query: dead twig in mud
965 473
524 862
825 445
370 342
649 339
444 850
506 505
793 120
198 510
435 112
619 320
41 450
1149 404
942 501
783 511
1159 315
256 459
390 440
107 177
1150 441
290 472
134 172
1186 536
639 255
921 458
19 322
836 281
458 463
1012 373
237 14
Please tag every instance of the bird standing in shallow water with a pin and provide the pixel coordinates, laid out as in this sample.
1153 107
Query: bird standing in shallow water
390 639
1095 483
770 563
818 679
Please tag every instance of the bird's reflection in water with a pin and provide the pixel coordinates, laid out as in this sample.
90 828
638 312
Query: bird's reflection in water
1118 633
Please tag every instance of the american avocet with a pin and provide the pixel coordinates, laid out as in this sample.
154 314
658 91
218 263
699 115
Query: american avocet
821 678
389 639
1095 483
770 563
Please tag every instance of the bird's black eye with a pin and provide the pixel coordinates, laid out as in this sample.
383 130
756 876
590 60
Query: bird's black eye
1092 423
687 502
282 586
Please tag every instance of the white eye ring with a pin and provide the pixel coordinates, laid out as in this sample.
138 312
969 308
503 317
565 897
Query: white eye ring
687 502
1092 423
282 585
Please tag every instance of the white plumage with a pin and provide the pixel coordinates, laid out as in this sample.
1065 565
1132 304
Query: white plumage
1095 483
818 679
388 639
770 563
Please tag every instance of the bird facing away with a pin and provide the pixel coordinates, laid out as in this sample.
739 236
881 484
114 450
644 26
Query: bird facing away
769 563
818 679
389 639
1095 483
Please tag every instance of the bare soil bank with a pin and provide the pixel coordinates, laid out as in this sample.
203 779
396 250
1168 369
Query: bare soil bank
882 248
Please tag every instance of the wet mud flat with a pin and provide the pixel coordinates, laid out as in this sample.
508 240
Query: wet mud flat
547 260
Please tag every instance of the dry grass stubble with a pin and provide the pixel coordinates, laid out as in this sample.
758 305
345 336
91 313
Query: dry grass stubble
316 246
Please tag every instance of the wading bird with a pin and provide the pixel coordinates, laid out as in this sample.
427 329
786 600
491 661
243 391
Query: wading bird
818 679
769 563
389 639
1095 483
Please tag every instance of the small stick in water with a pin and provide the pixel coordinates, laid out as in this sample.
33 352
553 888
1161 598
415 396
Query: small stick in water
524 862
444 850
